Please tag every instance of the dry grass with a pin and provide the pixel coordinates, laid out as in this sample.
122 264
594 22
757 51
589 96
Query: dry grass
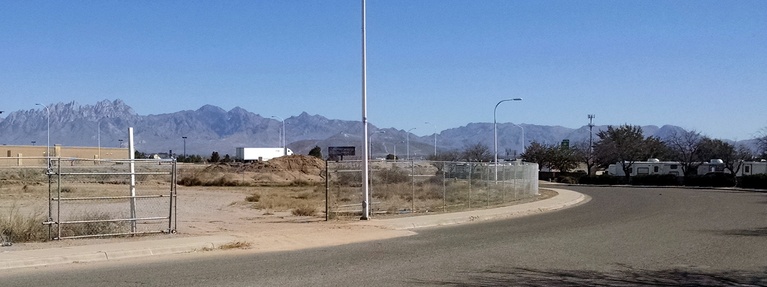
16 226
236 245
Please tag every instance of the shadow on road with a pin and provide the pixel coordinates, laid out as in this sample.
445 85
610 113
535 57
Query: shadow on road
745 232
624 277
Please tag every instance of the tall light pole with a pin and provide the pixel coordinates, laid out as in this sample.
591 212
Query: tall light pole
184 147
591 134
435 140
365 151
495 134
282 141
407 138
48 145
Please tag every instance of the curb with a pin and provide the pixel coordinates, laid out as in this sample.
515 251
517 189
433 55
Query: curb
116 251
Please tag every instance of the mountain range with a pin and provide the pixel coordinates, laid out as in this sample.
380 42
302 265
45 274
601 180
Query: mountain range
211 128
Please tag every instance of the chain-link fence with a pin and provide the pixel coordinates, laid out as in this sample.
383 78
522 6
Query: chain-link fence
411 187
89 198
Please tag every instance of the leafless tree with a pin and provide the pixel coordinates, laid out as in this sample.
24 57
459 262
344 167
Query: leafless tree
685 147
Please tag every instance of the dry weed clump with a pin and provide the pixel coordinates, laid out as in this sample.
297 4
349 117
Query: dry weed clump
93 228
253 198
304 210
18 227
236 245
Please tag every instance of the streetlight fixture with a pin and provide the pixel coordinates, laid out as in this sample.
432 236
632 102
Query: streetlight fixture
33 143
121 142
495 134
48 145
282 141
407 138
435 139
184 147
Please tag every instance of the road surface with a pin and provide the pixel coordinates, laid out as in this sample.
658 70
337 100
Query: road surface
623 236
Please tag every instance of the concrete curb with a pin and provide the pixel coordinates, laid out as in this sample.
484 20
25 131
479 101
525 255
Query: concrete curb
110 251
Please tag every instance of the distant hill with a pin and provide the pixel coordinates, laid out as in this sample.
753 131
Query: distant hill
211 128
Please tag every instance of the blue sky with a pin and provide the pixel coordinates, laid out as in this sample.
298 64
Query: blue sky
696 64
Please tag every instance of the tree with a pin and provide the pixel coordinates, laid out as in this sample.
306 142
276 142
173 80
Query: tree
537 153
477 152
214 157
562 158
624 145
762 143
731 156
685 147
584 153
316 152
554 157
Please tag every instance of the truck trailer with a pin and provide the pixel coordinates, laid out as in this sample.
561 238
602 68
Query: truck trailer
261 153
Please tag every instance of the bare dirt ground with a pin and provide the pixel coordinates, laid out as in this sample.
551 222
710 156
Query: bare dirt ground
266 224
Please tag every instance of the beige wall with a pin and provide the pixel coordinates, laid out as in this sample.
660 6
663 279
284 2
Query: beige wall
23 155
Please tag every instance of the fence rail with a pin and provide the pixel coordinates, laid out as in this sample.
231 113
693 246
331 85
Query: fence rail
415 187
96 198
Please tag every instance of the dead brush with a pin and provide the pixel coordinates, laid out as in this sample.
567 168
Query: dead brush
304 210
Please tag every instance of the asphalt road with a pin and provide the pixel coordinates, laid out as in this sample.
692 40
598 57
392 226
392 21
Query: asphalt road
623 236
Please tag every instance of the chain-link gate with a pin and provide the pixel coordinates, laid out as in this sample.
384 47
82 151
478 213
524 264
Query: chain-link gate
410 187
93 198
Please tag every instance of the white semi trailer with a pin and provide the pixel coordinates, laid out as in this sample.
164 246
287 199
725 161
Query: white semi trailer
261 153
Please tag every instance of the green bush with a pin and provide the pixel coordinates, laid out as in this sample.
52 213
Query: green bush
710 180
655 180
753 181
601 180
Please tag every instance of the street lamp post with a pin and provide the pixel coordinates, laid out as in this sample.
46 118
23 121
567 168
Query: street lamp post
435 139
407 138
121 142
495 134
184 147
48 145
591 145
282 141
365 163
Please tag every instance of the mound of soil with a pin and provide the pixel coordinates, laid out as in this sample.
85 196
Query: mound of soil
279 170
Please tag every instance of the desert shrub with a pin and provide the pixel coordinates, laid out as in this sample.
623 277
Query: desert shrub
352 179
392 175
16 226
302 182
67 189
304 210
253 197
236 245
93 228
